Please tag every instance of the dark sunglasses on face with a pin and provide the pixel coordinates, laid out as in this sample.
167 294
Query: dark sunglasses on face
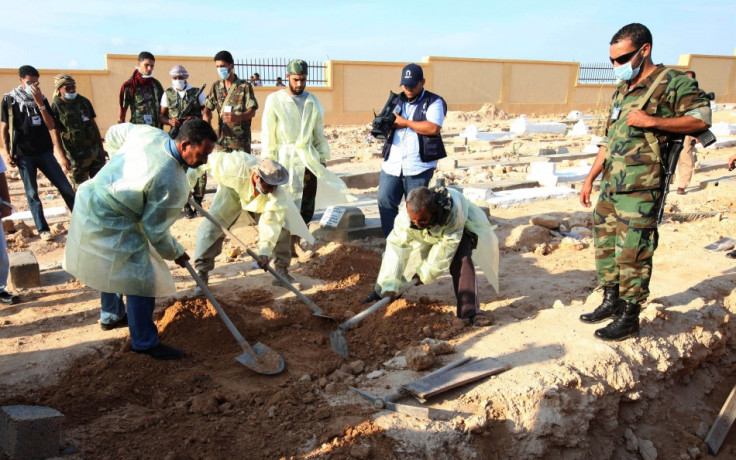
624 58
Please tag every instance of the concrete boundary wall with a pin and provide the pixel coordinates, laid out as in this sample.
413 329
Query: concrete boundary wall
354 89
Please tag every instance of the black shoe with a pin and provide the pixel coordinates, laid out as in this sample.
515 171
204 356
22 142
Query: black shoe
624 326
373 297
122 322
8 298
606 309
189 213
732 254
162 352
480 320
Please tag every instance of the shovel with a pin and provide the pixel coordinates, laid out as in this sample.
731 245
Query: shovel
313 306
258 358
337 340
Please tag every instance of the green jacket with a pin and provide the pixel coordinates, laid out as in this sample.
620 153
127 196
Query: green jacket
75 120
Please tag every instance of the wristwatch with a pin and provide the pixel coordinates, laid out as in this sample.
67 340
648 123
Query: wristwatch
42 107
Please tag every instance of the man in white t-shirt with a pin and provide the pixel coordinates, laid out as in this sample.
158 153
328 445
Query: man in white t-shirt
173 102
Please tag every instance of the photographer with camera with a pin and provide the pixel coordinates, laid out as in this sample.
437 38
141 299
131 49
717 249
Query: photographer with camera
413 144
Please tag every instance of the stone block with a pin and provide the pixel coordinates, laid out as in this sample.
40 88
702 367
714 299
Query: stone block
547 151
24 271
30 432
447 164
362 180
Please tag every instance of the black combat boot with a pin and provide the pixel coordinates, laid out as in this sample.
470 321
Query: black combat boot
606 309
624 326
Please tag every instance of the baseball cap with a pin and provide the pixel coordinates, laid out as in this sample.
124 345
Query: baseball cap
272 172
411 75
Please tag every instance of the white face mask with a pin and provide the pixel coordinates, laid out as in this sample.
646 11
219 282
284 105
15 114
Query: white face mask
179 85
146 76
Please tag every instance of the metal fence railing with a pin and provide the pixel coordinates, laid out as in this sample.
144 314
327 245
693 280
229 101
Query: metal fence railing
596 73
271 68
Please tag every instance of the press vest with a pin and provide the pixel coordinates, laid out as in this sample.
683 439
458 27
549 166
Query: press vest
431 148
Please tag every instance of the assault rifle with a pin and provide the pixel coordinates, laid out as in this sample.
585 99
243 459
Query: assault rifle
384 121
185 113
670 157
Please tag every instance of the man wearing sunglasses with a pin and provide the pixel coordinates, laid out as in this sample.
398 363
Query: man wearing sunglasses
650 105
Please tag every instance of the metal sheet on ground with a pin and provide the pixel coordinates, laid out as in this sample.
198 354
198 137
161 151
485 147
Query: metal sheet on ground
437 383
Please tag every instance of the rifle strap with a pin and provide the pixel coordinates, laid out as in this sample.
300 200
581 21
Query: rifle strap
644 100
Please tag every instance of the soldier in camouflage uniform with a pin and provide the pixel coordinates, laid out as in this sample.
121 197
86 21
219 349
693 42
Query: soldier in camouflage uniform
651 105
75 122
235 104
142 94
173 102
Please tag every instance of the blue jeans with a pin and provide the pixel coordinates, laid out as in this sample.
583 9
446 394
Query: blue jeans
143 332
28 167
391 190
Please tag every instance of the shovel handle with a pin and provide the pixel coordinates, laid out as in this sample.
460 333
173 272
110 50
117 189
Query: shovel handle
241 340
376 306
313 306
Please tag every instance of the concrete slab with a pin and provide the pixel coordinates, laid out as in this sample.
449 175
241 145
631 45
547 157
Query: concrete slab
30 432
24 272
54 211
507 198
365 179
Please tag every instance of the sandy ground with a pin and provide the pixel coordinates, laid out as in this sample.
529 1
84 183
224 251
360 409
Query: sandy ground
566 395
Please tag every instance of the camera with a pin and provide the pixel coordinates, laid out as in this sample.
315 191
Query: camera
384 121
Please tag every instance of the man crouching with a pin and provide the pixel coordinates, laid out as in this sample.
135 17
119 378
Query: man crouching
443 228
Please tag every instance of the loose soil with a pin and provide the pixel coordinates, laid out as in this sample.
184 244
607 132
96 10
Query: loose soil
120 404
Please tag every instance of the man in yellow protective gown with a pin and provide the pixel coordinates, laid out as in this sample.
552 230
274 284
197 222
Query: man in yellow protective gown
119 232
245 184
292 133
437 230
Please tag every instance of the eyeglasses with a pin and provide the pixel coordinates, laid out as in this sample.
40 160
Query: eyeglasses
624 58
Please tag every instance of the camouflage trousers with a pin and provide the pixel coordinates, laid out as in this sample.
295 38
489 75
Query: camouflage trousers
85 164
282 251
625 237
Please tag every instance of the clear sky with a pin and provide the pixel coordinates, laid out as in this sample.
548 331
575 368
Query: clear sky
75 34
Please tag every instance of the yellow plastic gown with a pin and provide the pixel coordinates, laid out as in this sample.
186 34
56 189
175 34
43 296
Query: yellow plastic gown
429 252
119 232
233 172
298 142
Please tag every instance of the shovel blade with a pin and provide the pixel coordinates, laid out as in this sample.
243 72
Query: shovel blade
338 343
267 362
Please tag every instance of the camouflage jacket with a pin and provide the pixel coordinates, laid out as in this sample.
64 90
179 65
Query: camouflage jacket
146 101
630 162
177 104
240 98
75 121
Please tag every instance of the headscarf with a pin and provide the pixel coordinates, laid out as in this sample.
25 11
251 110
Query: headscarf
178 71
62 80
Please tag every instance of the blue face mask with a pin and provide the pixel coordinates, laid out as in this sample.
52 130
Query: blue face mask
223 72
625 72
70 96
29 89
260 191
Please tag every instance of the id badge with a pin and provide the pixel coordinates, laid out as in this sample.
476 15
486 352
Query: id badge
615 113
147 119
227 109
36 120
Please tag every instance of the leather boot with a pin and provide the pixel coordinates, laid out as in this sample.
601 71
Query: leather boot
297 251
606 309
624 326
205 276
